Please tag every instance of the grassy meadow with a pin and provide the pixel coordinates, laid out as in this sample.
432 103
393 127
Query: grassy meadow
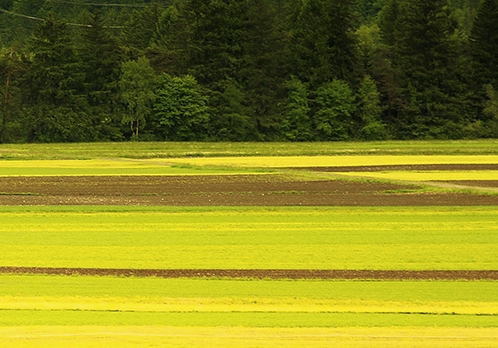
174 150
89 311
133 312
157 150
413 238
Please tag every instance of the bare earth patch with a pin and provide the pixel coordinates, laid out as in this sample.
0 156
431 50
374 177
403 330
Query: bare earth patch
245 190
222 190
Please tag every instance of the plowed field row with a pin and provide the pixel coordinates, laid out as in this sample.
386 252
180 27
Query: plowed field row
228 190
262 274
244 190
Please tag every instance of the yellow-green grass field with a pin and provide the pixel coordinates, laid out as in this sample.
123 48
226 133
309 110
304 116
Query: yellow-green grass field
403 238
250 165
332 161
414 176
98 167
134 312
89 311
42 310
224 337
154 150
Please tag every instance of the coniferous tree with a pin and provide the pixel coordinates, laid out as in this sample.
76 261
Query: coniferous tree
169 47
215 39
101 59
484 43
11 68
322 41
214 54
484 58
388 21
52 87
427 58
140 28
262 69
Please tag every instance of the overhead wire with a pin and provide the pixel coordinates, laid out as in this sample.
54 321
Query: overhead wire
82 4
68 23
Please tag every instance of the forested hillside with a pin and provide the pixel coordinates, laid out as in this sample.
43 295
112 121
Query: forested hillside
248 70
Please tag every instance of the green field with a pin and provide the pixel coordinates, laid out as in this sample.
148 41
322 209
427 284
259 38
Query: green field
160 336
250 165
89 311
174 150
135 312
112 167
332 161
250 238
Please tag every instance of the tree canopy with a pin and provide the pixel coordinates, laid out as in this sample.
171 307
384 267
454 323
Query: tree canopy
248 70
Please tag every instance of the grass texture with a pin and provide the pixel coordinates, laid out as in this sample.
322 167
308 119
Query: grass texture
109 301
205 149
232 165
454 238
201 337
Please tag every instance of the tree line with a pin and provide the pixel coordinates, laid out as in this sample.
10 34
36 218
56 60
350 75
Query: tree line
248 70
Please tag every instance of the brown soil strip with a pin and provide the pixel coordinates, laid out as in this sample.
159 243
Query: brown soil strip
223 190
262 273
421 167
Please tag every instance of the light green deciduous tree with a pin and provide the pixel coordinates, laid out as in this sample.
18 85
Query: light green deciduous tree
137 85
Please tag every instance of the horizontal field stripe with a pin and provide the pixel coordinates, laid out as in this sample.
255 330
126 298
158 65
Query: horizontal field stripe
264 273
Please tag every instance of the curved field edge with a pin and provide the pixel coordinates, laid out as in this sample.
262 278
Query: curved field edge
332 161
137 336
193 149
222 165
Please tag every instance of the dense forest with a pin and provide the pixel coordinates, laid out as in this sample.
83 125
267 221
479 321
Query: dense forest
248 70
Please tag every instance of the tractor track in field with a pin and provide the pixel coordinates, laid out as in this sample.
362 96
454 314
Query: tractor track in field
274 274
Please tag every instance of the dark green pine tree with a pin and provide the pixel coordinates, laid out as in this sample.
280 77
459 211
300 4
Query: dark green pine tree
368 9
53 87
484 44
216 30
427 56
214 54
11 68
263 65
169 47
101 59
322 41
141 27
384 69
388 19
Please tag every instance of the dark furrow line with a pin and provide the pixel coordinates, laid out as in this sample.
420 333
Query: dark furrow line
264 273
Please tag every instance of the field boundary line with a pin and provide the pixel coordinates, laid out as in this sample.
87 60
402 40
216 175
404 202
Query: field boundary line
264 273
